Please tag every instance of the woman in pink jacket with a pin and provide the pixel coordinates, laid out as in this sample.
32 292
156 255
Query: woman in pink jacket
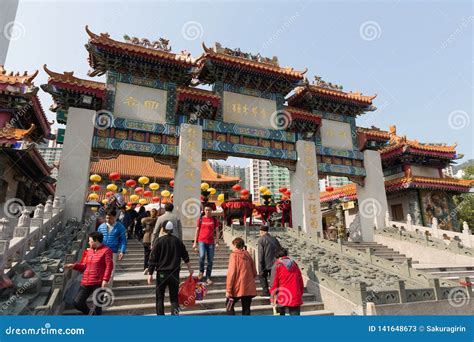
240 279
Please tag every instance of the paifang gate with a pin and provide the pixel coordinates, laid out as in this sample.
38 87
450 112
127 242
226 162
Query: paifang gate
246 106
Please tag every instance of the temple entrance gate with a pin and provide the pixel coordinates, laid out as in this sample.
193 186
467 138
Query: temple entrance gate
148 106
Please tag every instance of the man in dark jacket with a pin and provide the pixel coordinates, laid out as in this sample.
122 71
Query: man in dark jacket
165 258
268 246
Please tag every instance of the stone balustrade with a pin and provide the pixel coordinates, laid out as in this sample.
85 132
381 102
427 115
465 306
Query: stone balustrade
466 238
356 276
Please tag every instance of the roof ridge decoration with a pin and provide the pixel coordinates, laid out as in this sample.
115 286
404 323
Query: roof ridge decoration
250 59
160 44
218 48
320 83
158 48
14 78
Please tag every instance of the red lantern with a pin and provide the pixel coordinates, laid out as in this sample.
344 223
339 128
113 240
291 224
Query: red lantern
129 204
329 189
131 183
138 190
113 176
202 198
244 197
148 193
109 194
95 187
282 190
172 183
155 199
237 187
288 193
245 192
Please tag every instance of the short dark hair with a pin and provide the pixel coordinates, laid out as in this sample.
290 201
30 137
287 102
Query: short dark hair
96 236
264 228
169 207
111 212
238 242
282 252
208 205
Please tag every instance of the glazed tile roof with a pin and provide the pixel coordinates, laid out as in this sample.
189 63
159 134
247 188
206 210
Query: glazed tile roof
104 39
448 184
212 53
68 80
16 79
405 182
131 166
10 135
301 114
337 94
374 133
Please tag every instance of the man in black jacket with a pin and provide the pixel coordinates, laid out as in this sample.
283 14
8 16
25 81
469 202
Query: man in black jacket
268 246
165 258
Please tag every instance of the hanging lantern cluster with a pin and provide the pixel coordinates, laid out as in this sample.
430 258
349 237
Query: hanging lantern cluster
206 191
93 196
285 193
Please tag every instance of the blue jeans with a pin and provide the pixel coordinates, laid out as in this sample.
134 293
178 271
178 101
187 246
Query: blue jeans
204 249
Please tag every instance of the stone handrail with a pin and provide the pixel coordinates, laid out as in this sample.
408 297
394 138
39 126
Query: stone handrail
465 237
429 288
22 239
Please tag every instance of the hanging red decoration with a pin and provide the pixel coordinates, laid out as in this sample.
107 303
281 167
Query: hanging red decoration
109 194
237 187
283 190
95 187
155 199
131 183
138 190
245 192
329 189
113 176
148 193
172 183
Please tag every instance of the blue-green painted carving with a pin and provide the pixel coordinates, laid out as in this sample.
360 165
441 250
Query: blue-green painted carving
253 151
341 169
134 146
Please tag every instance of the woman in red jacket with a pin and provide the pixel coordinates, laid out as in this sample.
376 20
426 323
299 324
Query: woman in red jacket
288 287
97 268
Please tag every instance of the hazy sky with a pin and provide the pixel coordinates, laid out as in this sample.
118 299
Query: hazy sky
416 56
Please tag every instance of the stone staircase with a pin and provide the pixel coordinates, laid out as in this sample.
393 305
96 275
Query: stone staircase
449 272
379 250
133 296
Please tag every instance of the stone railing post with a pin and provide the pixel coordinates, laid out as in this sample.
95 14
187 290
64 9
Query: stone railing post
401 291
387 219
5 230
37 220
56 206
434 283
466 235
4 246
409 223
62 202
48 210
434 225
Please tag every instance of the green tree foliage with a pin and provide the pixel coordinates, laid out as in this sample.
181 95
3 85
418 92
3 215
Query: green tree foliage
465 202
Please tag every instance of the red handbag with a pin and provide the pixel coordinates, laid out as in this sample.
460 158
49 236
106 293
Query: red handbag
187 292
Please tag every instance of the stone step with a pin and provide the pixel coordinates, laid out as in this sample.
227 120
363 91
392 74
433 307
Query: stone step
139 268
143 281
132 259
145 290
217 295
459 274
260 306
